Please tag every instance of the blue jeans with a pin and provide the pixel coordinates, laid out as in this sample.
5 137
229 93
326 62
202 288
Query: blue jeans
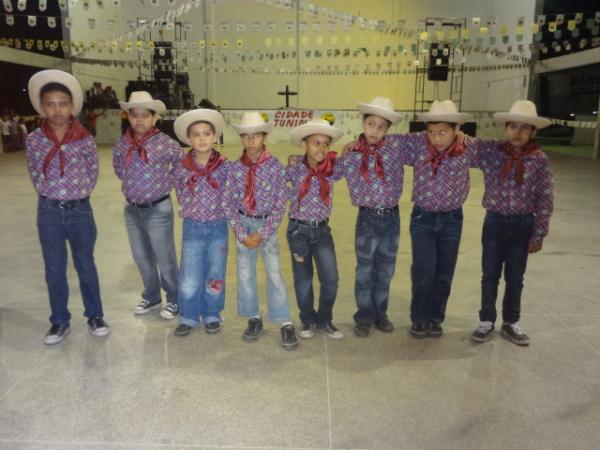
56 227
435 241
505 242
376 242
203 268
150 232
306 243
279 311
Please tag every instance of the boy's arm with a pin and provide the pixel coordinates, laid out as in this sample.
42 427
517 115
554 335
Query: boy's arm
91 156
481 151
230 204
544 205
117 160
34 165
269 227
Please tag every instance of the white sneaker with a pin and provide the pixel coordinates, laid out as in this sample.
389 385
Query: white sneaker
145 306
170 311
56 334
307 331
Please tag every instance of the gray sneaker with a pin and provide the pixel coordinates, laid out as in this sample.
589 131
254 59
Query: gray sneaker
170 311
329 330
307 331
514 333
145 306
57 333
484 332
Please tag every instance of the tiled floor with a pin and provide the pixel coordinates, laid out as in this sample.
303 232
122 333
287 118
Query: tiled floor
142 387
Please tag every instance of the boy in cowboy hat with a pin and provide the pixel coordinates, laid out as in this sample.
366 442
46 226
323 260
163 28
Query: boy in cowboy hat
519 202
308 232
199 182
144 159
63 164
254 200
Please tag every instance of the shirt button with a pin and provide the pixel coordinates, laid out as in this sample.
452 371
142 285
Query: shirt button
62 147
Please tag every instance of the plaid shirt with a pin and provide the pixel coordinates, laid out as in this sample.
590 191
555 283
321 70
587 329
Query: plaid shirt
271 196
80 170
141 181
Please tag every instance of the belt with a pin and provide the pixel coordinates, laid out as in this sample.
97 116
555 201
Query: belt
310 223
379 211
64 204
149 204
243 213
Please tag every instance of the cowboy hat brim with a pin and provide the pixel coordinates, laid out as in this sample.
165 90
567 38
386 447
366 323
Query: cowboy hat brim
183 122
42 78
458 118
366 108
537 122
267 127
307 129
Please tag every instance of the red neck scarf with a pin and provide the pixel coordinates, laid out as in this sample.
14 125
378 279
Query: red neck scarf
249 195
137 144
214 162
75 132
363 147
436 157
324 169
515 158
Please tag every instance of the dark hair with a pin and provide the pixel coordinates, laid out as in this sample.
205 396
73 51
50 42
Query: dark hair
147 109
212 127
55 87
532 126
452 124
366 116
306 137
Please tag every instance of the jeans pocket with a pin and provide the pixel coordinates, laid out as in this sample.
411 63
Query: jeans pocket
292 230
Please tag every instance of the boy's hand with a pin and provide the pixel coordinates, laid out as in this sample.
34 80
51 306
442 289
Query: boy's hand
462 138
348 147
535 247
253 240
294 160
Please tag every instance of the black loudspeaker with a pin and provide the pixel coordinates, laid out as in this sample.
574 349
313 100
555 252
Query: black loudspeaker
439 58
469 128
163 47
182 79
162 75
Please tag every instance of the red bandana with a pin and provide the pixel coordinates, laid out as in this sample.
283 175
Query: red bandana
137 144
436 157
249 195
324 169
515 158
363 147
214 162
75 132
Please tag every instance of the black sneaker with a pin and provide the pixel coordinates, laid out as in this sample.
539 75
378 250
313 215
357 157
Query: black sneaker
330 330
170 311
384 325
307 331
253 330
435 330
514 333
183 330
213 327
57 333
362 329
97 326
418 330
145 306
484 332
288 337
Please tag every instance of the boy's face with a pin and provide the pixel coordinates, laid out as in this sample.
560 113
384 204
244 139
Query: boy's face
141 120
316 147
253 142
441 135
202 137
57 108
519 134
375 128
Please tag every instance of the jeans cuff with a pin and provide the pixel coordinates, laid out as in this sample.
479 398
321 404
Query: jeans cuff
189 322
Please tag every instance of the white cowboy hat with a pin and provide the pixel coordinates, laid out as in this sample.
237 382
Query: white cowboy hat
382 107
40 79
253 122
444 111
183 122
315 126
143 99
523 111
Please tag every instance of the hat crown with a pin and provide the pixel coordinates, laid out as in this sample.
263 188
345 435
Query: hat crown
318 121
140 97
252 119
443 107
382 102
524 108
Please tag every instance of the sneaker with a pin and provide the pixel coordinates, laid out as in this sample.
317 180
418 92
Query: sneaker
57 333
288 337
170 311
514 333
418 330
384 325
307 330
98 327
183 330
145 306
362 329
253 330
434 329
330 330
213 327
484 332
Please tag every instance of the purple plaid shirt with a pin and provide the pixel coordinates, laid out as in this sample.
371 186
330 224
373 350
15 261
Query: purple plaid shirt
141 181
80 170
271 196
377 192
311 206
506 196
448 189
203 203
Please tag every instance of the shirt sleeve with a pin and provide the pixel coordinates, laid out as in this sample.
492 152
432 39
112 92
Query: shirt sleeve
543 202
176 155
117 159
408 144
34 165
481 151
91 157
338 169
231 206
271 223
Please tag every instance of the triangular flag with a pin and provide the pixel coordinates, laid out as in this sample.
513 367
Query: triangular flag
42 5
32 21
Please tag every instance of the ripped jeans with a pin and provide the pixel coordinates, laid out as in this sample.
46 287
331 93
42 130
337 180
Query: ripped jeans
202 272
308 243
